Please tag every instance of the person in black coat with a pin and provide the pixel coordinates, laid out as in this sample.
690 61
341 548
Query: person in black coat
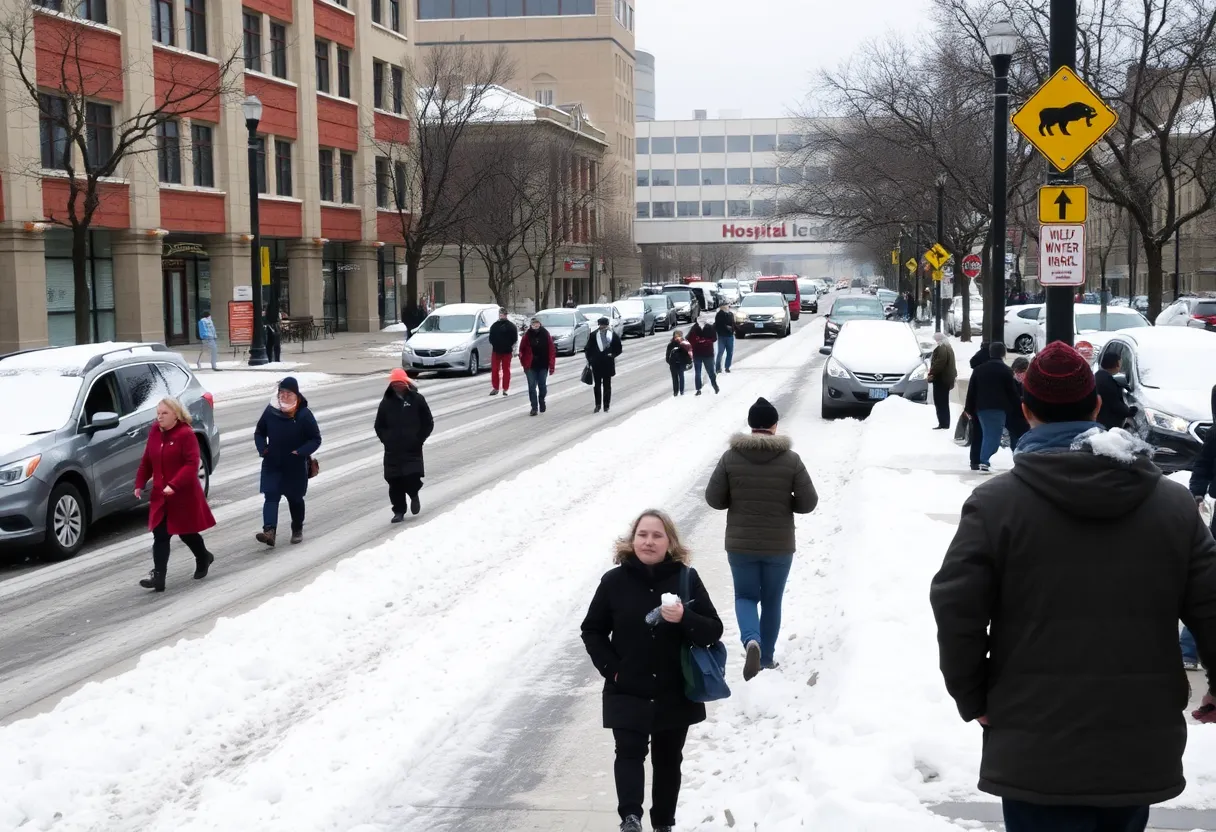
991 394
403 424
679 359
602 348
1115 411
1015 420
644 699
286 436
977 432
503 335
1203 472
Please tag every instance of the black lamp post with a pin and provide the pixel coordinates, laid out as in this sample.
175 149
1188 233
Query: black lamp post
252 108
1002 42
941 234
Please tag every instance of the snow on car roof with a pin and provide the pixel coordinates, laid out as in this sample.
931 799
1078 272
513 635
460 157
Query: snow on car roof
68 360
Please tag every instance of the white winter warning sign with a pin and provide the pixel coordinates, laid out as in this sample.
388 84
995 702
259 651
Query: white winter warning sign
1062 255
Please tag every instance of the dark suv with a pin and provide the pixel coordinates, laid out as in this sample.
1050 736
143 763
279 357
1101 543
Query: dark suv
72 432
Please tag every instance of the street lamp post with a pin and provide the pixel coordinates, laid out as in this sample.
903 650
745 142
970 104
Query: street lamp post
941 234
252 109
1002 42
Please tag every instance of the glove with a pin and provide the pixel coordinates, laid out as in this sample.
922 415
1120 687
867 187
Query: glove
1206 712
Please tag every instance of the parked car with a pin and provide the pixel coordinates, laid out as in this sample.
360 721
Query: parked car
729 288
1169 374
455 337
871 361
1140 304
1196 312
808 292
710 294
569 329
762 312
887 298
73 431
954 315
850 308
637 317
663 310
688 305
786 285
1087 325
1021 322
593 313
746 287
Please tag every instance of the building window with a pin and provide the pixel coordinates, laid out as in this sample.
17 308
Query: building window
343 72
378 85
643 179
278 50
739 208
789 143
253 41
688 144
544 96
260 153
99 135
738 144
543 7
196 26
713 208
659 178
347 175
394 15
789 176
399 185
688 177
201 150
398 90
461 9
662 145
282 168
643 211
322 51
713 144
739 176
94 10
169 152
764 176
162 21
688 209
643 146
383 182
764 143
377 11
53 132
713 176
663 210
763 208
326 161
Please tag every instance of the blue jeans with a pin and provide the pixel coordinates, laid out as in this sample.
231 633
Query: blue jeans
992 422
707 362
759 581
726 344
1031 817
270 511
538 387
1190 652
677 379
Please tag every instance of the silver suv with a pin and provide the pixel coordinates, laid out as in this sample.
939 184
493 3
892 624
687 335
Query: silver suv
73 425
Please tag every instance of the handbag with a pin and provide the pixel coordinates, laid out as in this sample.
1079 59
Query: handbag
587 376
314 467
704 668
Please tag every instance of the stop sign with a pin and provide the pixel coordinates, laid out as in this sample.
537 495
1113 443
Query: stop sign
971 265
1086 349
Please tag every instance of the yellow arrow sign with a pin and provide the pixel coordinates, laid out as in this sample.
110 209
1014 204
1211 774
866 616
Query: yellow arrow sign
894 257
941 252
937 275
911 265
1063 204
1064 119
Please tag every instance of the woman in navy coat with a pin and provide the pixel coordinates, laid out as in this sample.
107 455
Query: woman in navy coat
286 436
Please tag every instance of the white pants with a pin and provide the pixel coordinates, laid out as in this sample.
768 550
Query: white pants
209 343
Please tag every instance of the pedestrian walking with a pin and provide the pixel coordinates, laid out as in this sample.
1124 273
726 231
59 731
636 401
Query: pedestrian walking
724 328
901 307
701 338
943 373
601 351
503 335
976 434
538 356
679 359
1203 484
762 483
644 699
1084 546
274 336
176 503
207 335
1115 411
1015 420
911 302
570 303
403 424
286 437
991 394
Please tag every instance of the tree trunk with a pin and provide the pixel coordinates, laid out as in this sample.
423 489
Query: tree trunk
1156 277
536 298
80 285
462 255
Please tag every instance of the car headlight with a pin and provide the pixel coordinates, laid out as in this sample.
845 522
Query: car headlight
836 369
19 472
461 347
920 373
833 326
1166 421
779 315
740 317
633 320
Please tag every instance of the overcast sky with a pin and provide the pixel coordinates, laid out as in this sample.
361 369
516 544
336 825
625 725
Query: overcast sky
757 56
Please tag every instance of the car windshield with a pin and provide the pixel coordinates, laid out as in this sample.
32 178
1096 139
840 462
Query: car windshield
1092 321
553 320
858 308
54 394
728 284
763 299
886 295
448 323
680 294
656 304
605 311
631 307
789 288
1165 367
807 287
1204 309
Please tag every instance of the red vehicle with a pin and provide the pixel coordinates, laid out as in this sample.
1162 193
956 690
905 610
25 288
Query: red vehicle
786 284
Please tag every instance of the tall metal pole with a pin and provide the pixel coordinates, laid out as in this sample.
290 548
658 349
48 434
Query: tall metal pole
257 347
1177 252
994 313
941 234
1063 54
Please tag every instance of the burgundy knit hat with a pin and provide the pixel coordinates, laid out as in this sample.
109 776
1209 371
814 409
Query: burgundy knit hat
1059 375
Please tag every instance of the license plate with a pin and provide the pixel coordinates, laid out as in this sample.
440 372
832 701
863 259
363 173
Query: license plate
427 362
878 393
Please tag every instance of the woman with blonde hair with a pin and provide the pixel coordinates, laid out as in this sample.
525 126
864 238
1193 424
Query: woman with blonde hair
176 503
644 699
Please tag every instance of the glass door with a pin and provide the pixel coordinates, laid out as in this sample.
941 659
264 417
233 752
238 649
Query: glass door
177 313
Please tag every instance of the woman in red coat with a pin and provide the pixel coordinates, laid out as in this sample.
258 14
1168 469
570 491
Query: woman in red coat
176 504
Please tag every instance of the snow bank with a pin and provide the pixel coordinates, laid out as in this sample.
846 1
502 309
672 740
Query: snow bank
304 714
397 327
250 381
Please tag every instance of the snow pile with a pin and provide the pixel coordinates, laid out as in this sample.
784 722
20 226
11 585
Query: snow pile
397 327
393 349
309 712
238 384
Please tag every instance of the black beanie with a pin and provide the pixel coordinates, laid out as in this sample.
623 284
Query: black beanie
290 384
761 415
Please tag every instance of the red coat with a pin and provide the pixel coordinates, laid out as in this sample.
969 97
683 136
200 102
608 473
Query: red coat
525 351
171 458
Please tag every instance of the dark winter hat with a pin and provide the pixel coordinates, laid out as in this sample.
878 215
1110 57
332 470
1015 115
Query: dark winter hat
290 384
603 322
1059 375
761 415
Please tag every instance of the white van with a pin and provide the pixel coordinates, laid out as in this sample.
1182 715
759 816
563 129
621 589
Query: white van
453 338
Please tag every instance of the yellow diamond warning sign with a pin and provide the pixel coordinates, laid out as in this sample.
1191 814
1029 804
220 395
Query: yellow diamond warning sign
1064 119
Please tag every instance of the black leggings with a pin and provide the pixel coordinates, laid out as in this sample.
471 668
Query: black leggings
160 546
666 756
401 487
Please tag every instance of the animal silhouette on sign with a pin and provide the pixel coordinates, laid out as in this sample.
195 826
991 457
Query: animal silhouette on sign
1050 117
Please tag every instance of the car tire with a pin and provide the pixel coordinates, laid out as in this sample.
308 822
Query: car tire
787 331
67 522
474 364
1024 344
204 470
826 413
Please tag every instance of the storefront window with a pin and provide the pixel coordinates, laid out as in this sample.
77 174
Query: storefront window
391 266
60 287
334 269
186 286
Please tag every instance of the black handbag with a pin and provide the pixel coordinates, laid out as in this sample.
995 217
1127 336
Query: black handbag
588 377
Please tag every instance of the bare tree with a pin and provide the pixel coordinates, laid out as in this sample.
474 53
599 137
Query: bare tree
719 258
67 87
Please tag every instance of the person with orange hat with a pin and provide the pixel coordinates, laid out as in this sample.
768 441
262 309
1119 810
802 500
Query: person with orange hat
403 424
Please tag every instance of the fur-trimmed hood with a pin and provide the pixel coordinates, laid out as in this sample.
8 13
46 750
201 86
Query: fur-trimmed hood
760 447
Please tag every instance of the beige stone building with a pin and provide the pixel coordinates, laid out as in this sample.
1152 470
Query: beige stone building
566 53
172 237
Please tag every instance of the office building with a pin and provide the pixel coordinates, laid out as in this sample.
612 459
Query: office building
643 87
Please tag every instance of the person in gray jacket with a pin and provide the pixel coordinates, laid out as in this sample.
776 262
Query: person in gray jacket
762 484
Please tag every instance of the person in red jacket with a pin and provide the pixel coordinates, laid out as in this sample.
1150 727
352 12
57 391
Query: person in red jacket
702 338
538 355
176 503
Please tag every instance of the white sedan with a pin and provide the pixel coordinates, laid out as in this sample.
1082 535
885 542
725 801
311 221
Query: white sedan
954 315
1087 325
593 312
1021 323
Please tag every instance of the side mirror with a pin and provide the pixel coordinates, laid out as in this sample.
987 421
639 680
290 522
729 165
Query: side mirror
1122 380
103 420
485 330
825 350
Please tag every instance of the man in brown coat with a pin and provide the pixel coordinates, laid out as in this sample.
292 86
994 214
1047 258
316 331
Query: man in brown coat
762 484
943 373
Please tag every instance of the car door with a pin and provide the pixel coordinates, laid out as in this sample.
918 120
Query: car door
141 388
484 321
103 452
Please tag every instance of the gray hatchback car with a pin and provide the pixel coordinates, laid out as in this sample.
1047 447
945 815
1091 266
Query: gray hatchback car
72 432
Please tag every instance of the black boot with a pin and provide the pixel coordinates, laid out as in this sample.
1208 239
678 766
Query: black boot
297 535
201 565
415 506
266 535
155 580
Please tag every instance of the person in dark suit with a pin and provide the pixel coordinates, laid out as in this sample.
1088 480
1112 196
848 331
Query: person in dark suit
1114 410
602 348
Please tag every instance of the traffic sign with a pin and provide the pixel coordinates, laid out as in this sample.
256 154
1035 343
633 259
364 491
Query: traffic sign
971 265
1063 204
937 256
937 275
894 257
911 265
1064 119
1062 255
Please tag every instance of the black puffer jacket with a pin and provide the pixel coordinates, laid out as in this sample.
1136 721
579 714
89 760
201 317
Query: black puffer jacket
643 680
1202 479
403 424
503 335
992 387
1057 611
763 484
679 354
